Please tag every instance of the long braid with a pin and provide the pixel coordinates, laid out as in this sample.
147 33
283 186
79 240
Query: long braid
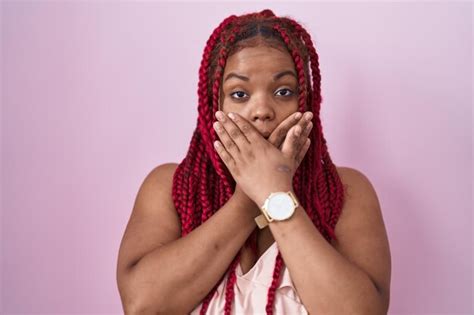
334 182
229 291
204 125
204 120
202 183
298 65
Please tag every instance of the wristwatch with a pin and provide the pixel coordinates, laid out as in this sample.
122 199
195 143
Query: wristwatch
278 206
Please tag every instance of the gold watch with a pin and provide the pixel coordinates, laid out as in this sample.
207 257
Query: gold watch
278 206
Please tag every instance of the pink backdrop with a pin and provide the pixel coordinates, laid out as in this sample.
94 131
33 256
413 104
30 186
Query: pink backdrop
93 91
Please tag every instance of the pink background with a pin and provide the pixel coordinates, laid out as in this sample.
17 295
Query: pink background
96 94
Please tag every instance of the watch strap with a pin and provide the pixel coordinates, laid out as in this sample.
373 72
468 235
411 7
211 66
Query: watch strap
261 221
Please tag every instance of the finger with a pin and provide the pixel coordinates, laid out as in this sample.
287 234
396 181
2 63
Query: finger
304 135
302 153
291 144
225 139
224 155
299 140
249 132
223 134
306 120
278 135
232 129
307 125
307 130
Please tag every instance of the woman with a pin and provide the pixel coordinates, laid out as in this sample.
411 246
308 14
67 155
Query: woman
257 197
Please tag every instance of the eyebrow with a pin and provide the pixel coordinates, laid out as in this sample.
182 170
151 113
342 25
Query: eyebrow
275 77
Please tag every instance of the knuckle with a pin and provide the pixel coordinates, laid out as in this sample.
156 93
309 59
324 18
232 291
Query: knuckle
234 133
245 128
298 144
281 133
295 138
226 158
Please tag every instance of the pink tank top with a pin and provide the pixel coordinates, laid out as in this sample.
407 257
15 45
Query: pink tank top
251 290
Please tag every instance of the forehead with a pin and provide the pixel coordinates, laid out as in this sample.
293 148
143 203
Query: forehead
259 59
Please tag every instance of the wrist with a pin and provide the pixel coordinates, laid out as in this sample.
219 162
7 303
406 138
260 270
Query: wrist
261 197
246 201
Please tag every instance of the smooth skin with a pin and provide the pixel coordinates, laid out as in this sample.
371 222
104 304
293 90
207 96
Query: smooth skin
158 272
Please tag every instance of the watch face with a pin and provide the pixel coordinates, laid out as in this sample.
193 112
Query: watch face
280 206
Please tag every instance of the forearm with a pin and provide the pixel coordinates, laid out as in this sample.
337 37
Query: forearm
175 277
326 281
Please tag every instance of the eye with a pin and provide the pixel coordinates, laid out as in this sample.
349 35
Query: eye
287 92
238 95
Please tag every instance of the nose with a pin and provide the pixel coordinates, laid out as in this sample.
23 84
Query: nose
262 110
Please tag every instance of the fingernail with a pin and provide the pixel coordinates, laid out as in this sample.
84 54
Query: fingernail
297 116
220 116
309 116
231 115
217 126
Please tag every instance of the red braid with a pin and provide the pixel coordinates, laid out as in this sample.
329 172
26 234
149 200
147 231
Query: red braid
229 291
202 184
335 184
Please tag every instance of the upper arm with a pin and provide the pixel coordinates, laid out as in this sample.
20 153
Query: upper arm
153 221
361 233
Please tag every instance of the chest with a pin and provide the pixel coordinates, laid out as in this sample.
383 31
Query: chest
248 258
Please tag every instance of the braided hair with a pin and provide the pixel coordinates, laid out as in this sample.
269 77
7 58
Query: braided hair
202 184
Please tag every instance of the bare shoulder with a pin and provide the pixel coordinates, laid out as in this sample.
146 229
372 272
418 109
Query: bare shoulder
361 233
356 184
162 171
155 193
154 220
361 203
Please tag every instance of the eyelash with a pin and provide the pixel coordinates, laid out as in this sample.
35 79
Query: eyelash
240 98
